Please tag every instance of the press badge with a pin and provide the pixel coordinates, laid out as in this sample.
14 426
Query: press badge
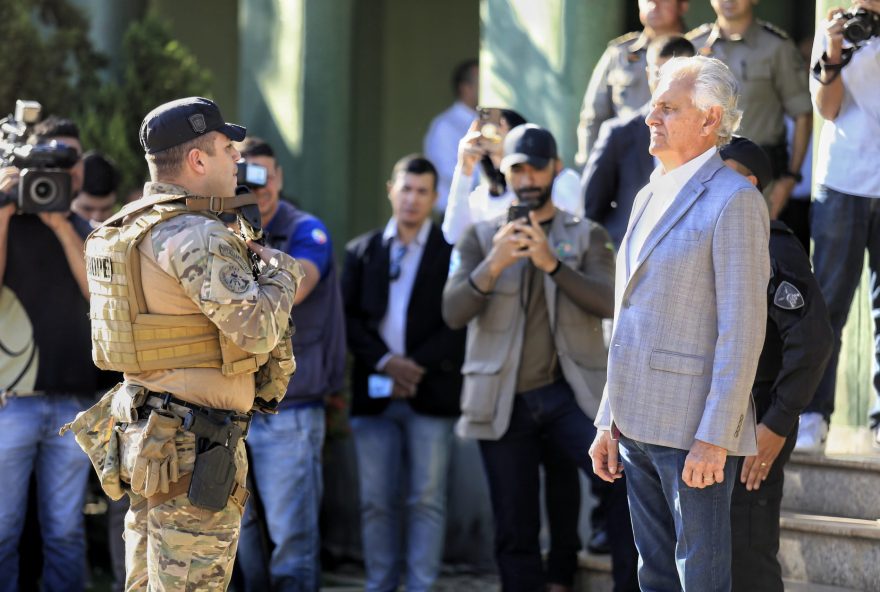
379 386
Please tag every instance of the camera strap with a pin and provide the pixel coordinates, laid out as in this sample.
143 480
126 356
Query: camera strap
220 204
821 65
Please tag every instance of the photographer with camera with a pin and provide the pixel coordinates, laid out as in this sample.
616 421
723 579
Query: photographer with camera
96 201
46 375
845 87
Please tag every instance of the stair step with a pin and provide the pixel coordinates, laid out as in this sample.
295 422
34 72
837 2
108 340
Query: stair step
830 550
847 486
794 586
594 573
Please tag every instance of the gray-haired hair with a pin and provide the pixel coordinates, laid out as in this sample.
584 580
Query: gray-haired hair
714 85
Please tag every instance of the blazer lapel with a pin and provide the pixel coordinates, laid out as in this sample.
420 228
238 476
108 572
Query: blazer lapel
692 190
429 255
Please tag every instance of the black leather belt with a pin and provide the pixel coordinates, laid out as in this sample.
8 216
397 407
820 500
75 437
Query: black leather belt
204 422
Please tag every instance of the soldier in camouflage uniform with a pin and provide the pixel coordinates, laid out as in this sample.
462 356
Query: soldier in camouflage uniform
618 86
192 265
773 82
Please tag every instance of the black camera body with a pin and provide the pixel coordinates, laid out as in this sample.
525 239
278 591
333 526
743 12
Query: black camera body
861 25
252 175
44 182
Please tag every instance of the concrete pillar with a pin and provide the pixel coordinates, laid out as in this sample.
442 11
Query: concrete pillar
294 90
536 58
109 21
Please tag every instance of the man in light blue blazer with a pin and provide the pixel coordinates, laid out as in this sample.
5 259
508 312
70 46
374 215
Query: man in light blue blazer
690 315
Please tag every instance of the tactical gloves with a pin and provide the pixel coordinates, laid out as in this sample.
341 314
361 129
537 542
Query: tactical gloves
157 464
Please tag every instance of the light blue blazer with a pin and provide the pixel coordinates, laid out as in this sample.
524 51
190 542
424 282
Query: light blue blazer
690 318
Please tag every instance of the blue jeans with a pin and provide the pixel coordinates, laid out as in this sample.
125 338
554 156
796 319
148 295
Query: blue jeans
512 466
682 533
29 442
400 442
285 464
843 227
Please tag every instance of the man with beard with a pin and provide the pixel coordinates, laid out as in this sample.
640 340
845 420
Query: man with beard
548 275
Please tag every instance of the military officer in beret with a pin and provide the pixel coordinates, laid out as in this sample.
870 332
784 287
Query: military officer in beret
618 86
773 83
796 350
201 331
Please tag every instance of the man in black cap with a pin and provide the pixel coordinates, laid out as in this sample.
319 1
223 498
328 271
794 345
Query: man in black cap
533 289
796 349
203 340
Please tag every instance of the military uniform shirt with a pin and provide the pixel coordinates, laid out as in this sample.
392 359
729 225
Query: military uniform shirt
618 88
193 264
772 76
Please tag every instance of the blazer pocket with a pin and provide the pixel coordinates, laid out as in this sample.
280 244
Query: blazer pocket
685 234
668 361
479 396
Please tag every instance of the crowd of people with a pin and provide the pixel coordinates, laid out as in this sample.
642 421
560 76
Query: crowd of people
653 322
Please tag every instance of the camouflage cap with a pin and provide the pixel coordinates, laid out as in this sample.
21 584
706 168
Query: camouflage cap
183 120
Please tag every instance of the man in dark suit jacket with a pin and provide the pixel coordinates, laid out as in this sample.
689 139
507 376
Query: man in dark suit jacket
620 164
406 380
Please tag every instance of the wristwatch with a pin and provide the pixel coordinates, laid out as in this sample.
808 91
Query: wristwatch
796 176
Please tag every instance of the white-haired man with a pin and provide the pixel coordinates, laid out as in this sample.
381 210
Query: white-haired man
690 314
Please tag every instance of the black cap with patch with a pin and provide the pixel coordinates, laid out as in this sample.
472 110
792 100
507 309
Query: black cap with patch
183 120
528 143
751 156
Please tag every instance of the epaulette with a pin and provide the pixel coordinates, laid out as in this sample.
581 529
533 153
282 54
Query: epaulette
624 38
701 30
771 28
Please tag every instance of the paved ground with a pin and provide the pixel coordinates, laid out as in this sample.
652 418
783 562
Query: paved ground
351 579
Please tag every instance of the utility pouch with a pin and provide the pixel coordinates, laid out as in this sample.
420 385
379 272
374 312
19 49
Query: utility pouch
212 478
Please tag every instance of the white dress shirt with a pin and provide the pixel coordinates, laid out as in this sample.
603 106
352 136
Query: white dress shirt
441 145
468 207
659 194
393 325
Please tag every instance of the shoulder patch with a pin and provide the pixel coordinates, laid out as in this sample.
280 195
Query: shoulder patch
319 236
624 38
788 297
771 28
701 30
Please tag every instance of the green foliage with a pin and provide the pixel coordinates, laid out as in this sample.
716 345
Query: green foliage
156 69
47 56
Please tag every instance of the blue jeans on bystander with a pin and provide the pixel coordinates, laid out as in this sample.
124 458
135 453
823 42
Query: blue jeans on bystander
400 442
285 464
29 442
843 227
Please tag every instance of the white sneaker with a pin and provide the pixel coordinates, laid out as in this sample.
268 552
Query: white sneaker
812 433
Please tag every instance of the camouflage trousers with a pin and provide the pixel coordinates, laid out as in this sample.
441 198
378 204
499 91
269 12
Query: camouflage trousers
175 546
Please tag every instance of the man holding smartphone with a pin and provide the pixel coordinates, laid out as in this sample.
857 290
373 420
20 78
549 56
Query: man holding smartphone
533 291
405 381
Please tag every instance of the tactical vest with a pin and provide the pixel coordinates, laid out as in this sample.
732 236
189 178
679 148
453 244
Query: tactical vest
127 338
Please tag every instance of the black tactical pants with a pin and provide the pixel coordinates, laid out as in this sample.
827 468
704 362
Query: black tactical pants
754 521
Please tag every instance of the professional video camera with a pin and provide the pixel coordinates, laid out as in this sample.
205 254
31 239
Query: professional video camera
861 25
44 182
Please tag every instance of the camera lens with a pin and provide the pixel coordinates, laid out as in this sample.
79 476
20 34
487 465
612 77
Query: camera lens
43 191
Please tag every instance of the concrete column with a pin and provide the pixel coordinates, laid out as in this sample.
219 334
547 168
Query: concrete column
294 91
109 21
536 58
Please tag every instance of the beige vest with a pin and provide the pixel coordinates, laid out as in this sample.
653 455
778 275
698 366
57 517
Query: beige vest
159 338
